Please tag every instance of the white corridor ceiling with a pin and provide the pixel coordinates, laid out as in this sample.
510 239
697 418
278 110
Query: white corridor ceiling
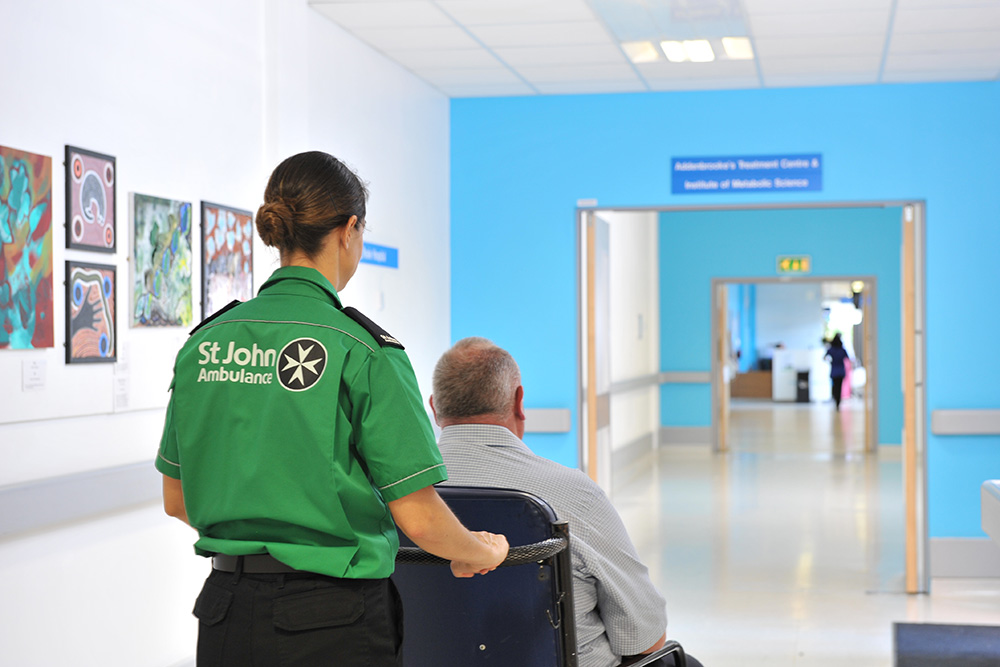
469 48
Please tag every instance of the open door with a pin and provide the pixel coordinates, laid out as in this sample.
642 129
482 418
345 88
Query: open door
596 304
722 367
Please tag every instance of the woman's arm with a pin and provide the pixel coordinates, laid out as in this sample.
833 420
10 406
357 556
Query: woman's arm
173 498
432 526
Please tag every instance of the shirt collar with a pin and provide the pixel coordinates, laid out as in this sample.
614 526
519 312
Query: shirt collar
489 435
293 276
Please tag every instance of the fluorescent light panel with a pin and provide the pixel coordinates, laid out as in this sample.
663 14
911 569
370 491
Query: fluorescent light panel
641 52
738 48
694 50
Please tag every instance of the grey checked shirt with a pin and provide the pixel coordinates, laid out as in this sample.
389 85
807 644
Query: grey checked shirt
618 610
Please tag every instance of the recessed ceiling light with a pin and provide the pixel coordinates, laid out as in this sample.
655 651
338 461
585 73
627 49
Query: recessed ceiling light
641 52
699 50
674 51
738 48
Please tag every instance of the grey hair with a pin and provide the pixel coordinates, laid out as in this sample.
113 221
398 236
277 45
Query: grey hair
475 377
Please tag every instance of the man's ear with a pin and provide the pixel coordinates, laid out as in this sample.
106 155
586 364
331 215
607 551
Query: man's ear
519 403
434 412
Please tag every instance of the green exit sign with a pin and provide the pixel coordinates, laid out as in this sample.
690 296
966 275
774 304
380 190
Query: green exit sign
794 263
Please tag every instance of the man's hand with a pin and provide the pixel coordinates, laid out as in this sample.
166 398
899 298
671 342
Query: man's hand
498 548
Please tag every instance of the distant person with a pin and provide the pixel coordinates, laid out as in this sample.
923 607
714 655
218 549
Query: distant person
838 369
479 403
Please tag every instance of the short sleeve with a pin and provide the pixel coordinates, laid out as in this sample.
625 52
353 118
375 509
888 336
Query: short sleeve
393 432
633 611
167 459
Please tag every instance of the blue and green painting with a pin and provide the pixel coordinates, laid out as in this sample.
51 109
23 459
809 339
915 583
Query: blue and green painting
161 256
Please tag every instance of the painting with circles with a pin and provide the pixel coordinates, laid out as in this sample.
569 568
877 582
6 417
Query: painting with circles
91 325
90 200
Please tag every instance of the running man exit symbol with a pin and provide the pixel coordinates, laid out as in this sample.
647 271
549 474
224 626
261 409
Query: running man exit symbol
794 263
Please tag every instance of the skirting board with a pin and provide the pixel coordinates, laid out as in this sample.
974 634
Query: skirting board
973 557
625 456
685 435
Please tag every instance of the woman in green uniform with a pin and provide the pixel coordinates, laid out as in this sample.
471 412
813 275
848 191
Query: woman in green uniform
295 441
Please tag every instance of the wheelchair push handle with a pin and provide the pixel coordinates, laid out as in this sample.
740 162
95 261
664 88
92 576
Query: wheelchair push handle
520 555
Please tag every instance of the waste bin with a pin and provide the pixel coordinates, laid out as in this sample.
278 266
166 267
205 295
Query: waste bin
802 387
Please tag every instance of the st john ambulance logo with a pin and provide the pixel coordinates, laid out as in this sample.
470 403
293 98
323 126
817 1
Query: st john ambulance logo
301 364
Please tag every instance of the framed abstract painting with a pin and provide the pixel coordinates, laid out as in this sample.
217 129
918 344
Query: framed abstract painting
26 308
91 325
90 200
161 261
226 256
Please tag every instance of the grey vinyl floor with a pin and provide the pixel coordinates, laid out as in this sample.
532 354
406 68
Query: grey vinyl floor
788 549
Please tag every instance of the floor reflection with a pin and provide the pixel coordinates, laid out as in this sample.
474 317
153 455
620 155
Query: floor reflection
788 549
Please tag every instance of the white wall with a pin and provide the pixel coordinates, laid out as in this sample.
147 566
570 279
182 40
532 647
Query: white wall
635 334
791 314
197 99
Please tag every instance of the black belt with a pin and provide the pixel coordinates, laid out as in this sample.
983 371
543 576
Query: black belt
253 564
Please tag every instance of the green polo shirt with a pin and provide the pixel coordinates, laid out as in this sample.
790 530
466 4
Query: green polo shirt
290 427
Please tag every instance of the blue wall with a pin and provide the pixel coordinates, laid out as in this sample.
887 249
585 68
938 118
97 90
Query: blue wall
519 165
697 246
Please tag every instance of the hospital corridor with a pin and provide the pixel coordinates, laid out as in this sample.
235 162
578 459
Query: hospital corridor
788 549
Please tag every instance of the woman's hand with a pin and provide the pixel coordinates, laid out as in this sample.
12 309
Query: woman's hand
497 552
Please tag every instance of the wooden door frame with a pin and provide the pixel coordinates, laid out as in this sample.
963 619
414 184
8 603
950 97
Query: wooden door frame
913 296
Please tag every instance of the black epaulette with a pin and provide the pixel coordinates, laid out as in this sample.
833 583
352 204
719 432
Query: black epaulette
380 334
232 304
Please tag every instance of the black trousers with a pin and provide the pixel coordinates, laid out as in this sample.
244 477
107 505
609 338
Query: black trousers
298 620
837 389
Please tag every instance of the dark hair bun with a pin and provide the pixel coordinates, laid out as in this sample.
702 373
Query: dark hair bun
274 223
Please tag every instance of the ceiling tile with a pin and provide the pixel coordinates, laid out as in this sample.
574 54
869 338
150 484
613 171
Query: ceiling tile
412 14
542 34
758 7
820 79
696 83
713 70
406 39
942 4
502 12
821 23
948 19
468 76
822 65
446 58
819 45
937 42
553 74
561 55
487 90
591 87
921 76
932 62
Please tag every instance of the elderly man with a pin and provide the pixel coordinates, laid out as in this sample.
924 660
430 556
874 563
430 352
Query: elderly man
478 401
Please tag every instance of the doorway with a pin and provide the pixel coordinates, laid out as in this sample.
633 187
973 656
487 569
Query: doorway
687 387
771 336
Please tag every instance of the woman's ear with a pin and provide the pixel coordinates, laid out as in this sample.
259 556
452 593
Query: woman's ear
348 230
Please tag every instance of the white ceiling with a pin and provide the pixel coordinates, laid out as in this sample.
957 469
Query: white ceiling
468 48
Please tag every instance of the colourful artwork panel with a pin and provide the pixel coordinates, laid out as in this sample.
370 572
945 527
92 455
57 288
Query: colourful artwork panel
226 256
91 331
25 250
161 262
90 200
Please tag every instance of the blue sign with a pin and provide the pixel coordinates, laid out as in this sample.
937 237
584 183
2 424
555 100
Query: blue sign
380 255
758 173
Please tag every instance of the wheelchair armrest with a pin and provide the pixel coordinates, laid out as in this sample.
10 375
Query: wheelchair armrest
680 659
